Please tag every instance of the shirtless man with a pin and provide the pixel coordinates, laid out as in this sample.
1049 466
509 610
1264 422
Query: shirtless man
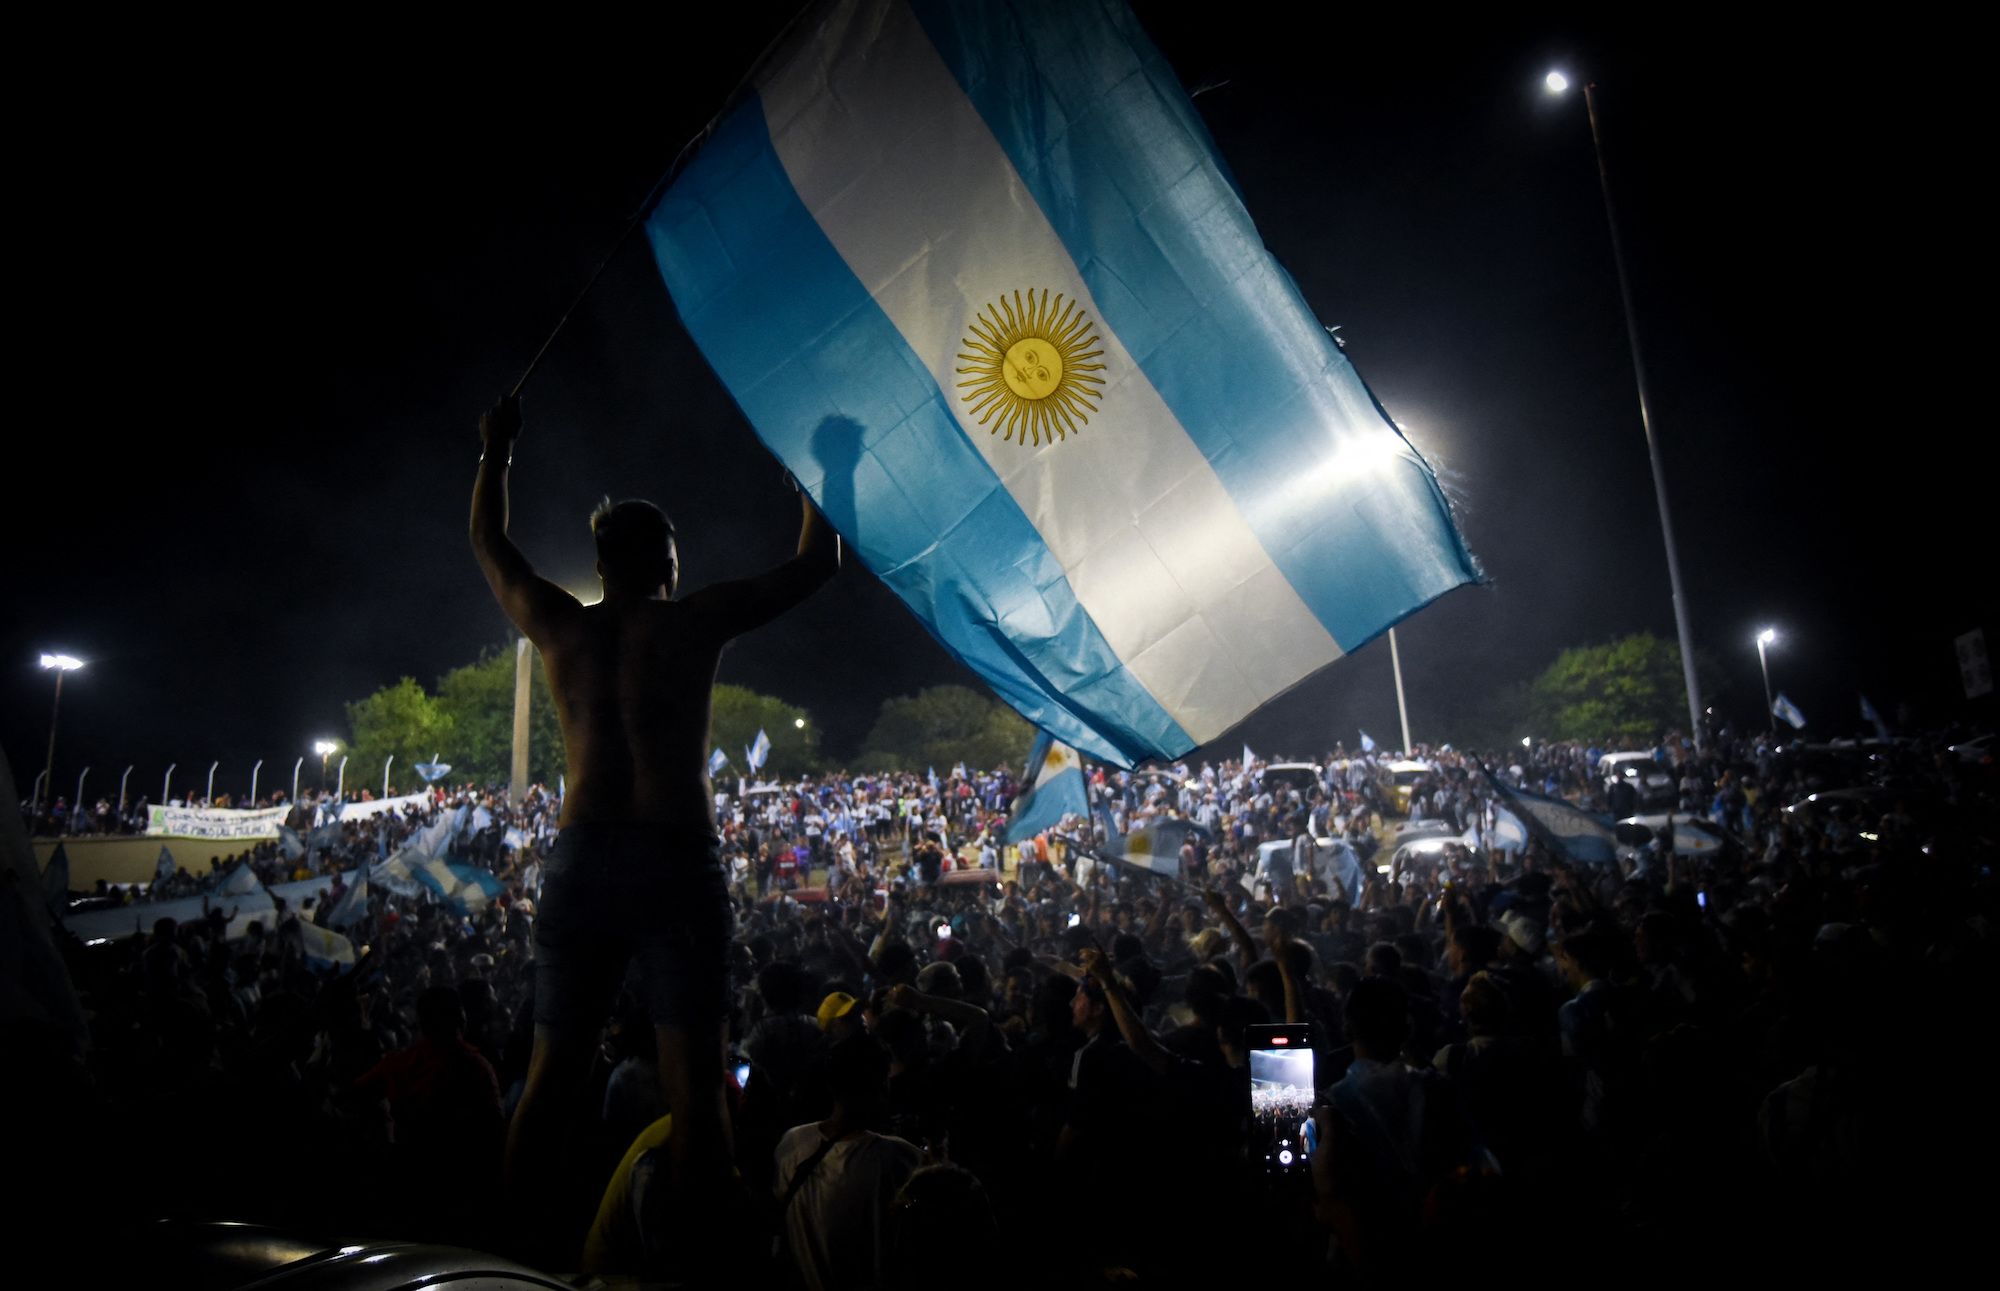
636 870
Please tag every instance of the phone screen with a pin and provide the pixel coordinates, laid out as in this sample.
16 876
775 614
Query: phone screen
1282 1092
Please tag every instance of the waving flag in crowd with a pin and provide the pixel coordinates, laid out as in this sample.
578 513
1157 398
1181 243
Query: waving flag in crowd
718 761
352 905
1569 832
1367 742
1786 709
978 277
1055 789
759 751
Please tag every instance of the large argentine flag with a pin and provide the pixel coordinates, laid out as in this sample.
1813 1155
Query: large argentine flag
977 275
1055 789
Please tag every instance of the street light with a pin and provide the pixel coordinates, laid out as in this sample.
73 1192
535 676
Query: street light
1557 83
62 663
799 723
1765 638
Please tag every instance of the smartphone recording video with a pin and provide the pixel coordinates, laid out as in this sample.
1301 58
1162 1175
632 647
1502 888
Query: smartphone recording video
1281 1097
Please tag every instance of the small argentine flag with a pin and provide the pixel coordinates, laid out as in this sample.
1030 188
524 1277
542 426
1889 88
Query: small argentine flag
1786 709
1367 742
1056 789
978 277
717 762
759 751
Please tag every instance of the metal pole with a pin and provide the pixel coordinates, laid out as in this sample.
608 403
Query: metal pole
340 787
1402 709
1646 423
253 781
79 800
385 774
208 794
49 771
517 788
295 778
40 776
166 785
1770 712
121 790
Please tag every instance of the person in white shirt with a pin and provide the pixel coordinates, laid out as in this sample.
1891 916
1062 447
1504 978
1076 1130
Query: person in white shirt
836 1178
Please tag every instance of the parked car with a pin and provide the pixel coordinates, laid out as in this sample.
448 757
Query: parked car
1399 780
1652 784
239 1257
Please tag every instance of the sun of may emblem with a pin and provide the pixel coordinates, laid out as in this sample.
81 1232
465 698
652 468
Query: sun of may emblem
1029 368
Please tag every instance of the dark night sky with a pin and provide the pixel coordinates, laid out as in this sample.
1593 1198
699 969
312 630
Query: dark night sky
268 305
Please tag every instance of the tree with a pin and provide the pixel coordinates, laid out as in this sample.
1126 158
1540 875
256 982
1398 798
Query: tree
943 725
1631 688
737 714
479 700
401 720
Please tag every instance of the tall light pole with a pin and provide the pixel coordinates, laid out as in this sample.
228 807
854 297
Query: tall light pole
1765 638
517 779
62 663
1557 83
1402 709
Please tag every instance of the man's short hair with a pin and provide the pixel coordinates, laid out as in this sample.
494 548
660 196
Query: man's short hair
633 538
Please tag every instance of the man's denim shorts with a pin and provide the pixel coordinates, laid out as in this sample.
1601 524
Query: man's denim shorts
615 893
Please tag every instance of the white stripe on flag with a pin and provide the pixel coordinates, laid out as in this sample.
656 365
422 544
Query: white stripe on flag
895 157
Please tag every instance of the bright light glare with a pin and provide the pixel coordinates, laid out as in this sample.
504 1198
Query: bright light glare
799 722
1527 741
62 661
324 748
1767 636
1556 82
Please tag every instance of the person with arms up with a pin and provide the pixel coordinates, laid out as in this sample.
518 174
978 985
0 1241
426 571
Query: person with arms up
636 872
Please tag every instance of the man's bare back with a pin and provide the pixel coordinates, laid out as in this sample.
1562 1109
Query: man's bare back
635 875
632 675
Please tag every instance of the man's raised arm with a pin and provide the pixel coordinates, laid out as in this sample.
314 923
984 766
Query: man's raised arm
752 602
530 601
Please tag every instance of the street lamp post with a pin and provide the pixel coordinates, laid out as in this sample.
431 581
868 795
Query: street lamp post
1557 84
1765 638
1402 709
62 663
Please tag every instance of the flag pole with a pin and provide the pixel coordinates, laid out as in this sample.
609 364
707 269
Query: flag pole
653 196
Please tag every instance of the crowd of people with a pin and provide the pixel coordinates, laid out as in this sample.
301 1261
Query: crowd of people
955 1058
